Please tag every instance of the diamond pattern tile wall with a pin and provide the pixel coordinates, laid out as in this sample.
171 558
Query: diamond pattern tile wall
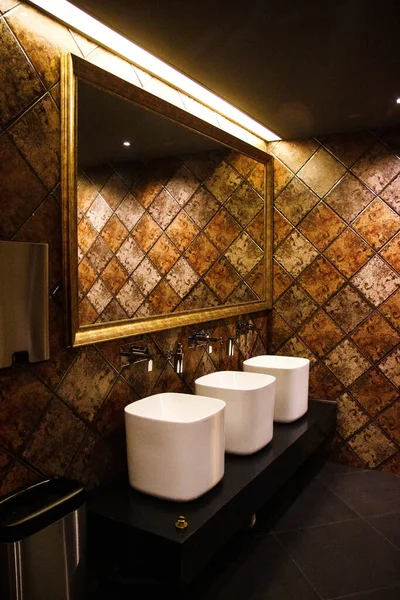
336 283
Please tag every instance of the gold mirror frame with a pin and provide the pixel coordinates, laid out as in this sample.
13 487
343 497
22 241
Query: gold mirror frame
72 68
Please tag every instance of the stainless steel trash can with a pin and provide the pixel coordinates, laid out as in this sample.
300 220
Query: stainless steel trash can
42 542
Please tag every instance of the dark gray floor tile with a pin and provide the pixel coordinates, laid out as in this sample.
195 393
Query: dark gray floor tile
343 558
331 468
392 593
388 526
367 492
316 505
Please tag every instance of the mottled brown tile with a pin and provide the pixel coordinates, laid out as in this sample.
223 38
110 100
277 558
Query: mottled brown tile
244 204
146 189
321 280
129 172
377 224
113 312
295 253
320 333
99 296
86 275
346 362
350 417
182 231
164 208
278 332
87 382
349 197
182 277
163 298
282 176
391 253
146 276
19 185
200 297
86 234
321 226
223 181
129 211
257 229
241 294
242 163
201 207
87 314
391 309
56 439
98 175
295 306
146 232
164 254
296 201
390 366
201 254
372 446
257 179
130 254
99 254
280 280
377 167
169 380
17 478
222 279
99 213
348 147
344 455
321 172
164 168
130 298
114 276
114 233
389 422
295 154
295 347
222 230
114 191
94 465
282 228
86 192
244 254
256 279
202 164
348 308
323 384
376 280
182 185
348 253
375 337
392 464
37 135
391 194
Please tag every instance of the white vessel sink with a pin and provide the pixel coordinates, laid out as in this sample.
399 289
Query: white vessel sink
175 445
249 411
291 372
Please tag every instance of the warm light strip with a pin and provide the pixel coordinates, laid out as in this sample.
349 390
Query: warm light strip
77 19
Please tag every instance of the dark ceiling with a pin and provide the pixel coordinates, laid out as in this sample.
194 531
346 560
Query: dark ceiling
302 68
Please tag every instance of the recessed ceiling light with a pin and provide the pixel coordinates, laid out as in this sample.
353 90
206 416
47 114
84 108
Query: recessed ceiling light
398 100
127 143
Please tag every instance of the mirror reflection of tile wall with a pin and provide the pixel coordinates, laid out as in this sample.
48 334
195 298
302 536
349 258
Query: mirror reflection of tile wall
173 235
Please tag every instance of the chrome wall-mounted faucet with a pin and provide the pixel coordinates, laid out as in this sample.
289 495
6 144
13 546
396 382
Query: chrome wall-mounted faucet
202 338
177 358
245 327
136 354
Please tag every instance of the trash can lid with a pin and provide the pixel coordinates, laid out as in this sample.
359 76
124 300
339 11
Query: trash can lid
38 506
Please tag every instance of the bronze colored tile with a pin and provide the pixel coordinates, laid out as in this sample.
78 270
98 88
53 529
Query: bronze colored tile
201 207
391 309
99 254
130 298
182 278
321 172
87 382
20 85
18 477
376 280
201 254
130 211
373 391
320 333
295 154
348 308
321 280
200 297
99 296
375 337
203 163
164 208
243 293
37 135
257 229
350 417
391 253
222 230
321 226
99 213
94 463
43 39
282 228
86 192
130 254
242 163
99 175
323 384
87 314
19 185
129 172
146 276
279 332
296 201
86 275
349 197
146 232
244 204
56 440
377 224
169 380
114 233
377 167
113 312
372 446
183 185
389 421
164 168
348 147
164 254
295 306
281 280
86 234
282 176
182 231
5 462
391 194
392 464
114 191
347 363
23 399
390 366
146 189
114 276
295 347
222 279
348 253
256 279
223 181
163 299
244 254
295 253
344 455
110 420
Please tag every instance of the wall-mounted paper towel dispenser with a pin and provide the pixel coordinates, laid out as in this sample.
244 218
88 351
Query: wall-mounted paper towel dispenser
24 304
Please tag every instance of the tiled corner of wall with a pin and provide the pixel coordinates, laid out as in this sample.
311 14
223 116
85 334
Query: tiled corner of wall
337 279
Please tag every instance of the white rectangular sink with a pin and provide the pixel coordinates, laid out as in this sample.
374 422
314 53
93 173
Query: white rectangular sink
175 445
249 411
291 372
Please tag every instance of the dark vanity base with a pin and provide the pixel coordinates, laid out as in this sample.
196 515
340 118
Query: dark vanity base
135 534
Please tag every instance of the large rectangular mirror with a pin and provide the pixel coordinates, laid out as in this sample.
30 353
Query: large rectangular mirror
167 218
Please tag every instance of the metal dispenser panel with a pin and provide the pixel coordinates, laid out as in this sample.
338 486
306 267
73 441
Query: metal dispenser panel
24 305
